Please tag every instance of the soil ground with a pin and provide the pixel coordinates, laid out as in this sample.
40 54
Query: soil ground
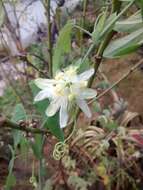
131 88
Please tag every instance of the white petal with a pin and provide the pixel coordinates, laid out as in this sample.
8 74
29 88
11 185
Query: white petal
86 75
88 93
53 107
84 107
44 83
43 94
63 114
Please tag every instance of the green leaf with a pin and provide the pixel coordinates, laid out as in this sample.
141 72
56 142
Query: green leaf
140 2
82 66
96 107
124 45
52 123
63 45
24 146
37 146
10 182
111 125
130 24
18 114
99 25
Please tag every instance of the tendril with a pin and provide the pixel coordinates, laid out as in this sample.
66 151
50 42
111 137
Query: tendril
61 148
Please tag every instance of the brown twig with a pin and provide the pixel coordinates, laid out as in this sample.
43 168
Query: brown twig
25 59
6 123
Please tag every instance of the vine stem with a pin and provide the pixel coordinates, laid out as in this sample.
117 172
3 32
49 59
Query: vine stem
132 69
6 123
83 22
48 8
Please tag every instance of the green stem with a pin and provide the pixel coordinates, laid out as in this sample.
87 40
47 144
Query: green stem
82 29
48 5
40 175
83 22
6 123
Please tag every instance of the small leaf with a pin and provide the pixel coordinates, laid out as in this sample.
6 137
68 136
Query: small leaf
82 66
96 107
111 125
18 114
63 45
10 182
24 146
52 123
37 146
99 25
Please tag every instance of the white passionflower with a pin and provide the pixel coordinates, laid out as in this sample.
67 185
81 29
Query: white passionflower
66 88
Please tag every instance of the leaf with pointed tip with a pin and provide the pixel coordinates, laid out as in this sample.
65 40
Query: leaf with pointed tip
62 46
52 123
99 25
37 146
124 45
131 24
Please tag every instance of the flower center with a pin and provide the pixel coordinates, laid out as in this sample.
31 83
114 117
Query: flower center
59 90
71 97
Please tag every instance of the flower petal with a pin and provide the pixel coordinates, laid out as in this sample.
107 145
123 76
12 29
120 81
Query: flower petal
88 93
63 113
44 83
86 75
84 107
53 107
43 94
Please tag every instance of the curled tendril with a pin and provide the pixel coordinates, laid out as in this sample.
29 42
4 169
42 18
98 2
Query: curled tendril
33 181
61 147
59 150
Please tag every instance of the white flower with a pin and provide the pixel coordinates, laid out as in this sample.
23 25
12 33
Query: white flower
67 88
